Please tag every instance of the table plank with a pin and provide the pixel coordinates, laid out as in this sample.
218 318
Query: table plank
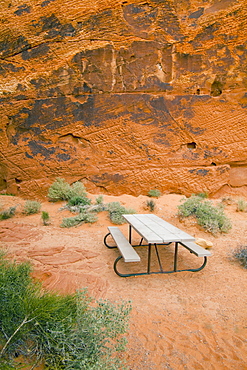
165 234
182 235
156 230
149 235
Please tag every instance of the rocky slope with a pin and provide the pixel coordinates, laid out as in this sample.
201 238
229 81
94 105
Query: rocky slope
125 96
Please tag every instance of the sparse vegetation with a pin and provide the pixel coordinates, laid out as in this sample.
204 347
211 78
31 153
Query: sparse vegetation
150 205
59 331
241 255
241 205
202 195
154 193
8 213
99 200
85 217
45 218
211 218
31 207
227 201
61 190
79 200
116 212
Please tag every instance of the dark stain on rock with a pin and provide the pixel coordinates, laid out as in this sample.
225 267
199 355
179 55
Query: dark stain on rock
223 169
161 139
36 52
140 16
197 14
53 27
243 101
11 45
20 97
168 21
182 105
159 104
86 112
52 114
101 22
23 9
189 63
201 172
63 157
38 83
153 83
28 155
38 147
9 67
46 2
205 35
194 130
106 178
81 89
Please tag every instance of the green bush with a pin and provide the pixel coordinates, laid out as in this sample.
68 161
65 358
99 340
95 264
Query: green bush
99 200
79 200
8 213
45 218
61 190
79 219
31 207
202 195
116 210
155 193
60 331
241 205
211 218
151 205
77 189
241 255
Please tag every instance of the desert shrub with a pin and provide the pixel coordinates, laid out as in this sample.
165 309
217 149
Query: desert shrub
211 218
116 210
8 213
202 195
61 331
99 199
150 204
241 205
86 217
61 190
45 218
241 255
79 200
31 207
227 201
155 193
77 189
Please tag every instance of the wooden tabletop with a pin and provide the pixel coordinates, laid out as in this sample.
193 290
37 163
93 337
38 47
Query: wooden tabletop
156 230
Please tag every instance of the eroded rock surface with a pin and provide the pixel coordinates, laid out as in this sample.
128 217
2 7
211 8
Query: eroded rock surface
125 96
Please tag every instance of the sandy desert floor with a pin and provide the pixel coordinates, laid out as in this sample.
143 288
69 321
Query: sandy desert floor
186 320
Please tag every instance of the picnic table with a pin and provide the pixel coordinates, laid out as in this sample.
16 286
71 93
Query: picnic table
154 232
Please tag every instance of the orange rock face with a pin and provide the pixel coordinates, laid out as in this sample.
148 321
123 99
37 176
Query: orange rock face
125 96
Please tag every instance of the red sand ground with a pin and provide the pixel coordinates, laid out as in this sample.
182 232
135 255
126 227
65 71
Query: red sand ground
179 321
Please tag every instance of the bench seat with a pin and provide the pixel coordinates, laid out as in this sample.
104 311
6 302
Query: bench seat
127 251
196 249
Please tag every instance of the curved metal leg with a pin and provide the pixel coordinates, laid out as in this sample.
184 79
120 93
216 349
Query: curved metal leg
155 272
107 245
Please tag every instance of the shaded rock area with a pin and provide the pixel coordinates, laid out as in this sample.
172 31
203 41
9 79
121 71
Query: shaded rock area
125 96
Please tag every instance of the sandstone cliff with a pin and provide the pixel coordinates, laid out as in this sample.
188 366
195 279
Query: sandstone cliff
125 96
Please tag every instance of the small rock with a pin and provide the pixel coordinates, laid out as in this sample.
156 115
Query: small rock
204 243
